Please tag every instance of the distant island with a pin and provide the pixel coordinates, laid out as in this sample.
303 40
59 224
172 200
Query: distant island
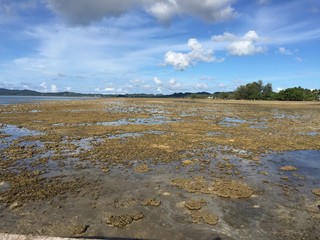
251 91
15 92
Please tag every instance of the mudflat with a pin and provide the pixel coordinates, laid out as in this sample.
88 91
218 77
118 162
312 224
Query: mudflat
161 169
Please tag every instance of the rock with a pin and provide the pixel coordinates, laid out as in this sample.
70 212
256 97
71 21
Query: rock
15 205
142 168
79 229
187 163
285 178
124 219
151 202
316 191
195 185
232 189
207 217
288 168
137 216
194 204
210 218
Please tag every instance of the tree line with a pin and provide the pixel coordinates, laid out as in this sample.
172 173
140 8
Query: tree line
259 91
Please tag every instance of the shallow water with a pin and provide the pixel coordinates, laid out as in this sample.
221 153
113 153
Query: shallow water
29 99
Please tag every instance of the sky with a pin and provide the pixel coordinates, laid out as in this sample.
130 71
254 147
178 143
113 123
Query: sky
158 46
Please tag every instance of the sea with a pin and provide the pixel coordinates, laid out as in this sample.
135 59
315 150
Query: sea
30 99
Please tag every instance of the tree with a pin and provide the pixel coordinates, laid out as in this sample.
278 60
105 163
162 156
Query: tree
267 92
253 91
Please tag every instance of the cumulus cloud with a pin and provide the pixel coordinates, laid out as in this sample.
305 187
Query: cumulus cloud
84 12
182 61
241 46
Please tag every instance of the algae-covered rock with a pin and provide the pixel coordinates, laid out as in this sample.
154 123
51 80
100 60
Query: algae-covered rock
232 189
288 168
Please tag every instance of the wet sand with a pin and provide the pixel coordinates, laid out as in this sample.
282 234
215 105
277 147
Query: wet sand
161 169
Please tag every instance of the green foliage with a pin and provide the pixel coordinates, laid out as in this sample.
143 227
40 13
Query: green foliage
298 94
253 91
258 91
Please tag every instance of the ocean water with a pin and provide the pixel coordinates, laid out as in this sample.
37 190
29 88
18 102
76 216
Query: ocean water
29 99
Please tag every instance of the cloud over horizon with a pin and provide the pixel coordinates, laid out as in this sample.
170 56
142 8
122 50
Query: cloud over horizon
241 46
181 61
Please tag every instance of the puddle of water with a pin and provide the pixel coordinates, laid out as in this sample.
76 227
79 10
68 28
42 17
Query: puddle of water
144 121
307 163
232 122
214 134
259 125
309 133
139 134
126 135
37 144
278 114
156 120
4 186
17 132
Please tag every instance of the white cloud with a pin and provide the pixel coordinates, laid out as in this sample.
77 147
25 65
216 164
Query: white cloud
83 12
241 46
182 61
244 48
157 81
54 88
202 86
174 85
43 86
109 89
179 61
279 89
225 37
285 51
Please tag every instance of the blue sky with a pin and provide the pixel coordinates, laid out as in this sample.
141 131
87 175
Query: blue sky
158 46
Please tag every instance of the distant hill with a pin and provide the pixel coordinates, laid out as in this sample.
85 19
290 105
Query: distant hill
9 92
